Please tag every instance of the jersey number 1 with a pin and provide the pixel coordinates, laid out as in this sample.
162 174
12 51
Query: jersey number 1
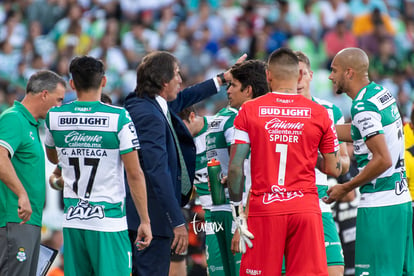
282 149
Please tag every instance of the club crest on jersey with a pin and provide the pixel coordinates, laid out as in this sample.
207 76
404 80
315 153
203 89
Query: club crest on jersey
280 194
84 210
21 255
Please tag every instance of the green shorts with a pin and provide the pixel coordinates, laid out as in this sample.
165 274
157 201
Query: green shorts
224 233
333 247
384 241
96 253
334 254
214 262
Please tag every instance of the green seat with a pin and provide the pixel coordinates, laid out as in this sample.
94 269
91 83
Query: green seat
316 54
321 86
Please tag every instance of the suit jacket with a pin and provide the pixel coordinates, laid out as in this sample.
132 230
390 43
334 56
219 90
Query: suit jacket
159 157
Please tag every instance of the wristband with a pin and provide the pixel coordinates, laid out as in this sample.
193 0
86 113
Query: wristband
222 79
55 184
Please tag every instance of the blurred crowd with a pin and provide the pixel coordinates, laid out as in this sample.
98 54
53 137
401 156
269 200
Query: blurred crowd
207 36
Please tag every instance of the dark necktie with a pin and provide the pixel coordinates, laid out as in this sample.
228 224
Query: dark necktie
185 179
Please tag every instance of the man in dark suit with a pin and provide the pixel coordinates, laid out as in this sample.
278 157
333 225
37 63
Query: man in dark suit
153 107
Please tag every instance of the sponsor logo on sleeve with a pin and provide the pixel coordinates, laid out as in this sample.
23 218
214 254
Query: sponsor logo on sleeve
135 142
385 97
365 123
395 113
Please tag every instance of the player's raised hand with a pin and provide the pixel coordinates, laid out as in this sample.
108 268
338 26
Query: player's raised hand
241 58
227 75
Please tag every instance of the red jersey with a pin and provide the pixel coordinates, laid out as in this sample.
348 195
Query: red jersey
285 132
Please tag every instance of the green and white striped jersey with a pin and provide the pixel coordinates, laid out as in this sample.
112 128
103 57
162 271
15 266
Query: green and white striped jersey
336 116
89 138
220 135
218 141
374 111
201 175
322 179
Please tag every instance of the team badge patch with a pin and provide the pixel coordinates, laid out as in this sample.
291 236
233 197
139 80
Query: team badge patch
21 255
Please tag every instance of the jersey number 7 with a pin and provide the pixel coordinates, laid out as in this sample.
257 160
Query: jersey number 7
87 162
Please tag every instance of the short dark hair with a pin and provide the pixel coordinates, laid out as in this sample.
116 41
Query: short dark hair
105 98
156 69
87 72
44 80
283 63
253 73
185 113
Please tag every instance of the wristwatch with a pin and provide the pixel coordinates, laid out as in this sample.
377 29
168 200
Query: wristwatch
222 79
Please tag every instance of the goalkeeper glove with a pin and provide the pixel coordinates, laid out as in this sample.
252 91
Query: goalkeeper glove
240 219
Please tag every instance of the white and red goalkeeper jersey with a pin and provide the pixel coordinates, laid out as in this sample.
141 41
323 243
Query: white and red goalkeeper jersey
285 132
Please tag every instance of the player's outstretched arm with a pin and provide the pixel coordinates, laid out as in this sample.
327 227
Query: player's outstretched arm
344 132
379 163
227 75
136 182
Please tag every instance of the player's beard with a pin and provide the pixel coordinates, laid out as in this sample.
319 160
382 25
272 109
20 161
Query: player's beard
339 89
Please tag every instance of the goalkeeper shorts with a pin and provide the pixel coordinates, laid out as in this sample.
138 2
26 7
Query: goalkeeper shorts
300 236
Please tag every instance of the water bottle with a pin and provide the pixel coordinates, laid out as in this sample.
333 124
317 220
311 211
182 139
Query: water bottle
217 189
